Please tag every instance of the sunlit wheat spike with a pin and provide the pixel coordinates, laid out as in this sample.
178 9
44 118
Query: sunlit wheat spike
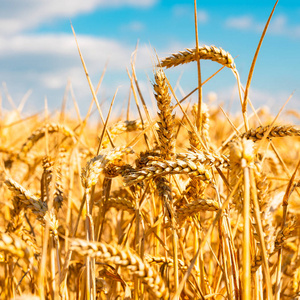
276 131
284 234
194 141
17 225
19 191
166 124
194 189
161 168
15 246
123 257
16 222
190 209
37 207
50 217
92 170
164 192
114 168
48 166
40 133
195 144
206 52
121 127
205 158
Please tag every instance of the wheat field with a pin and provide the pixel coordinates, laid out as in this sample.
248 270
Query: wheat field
185 203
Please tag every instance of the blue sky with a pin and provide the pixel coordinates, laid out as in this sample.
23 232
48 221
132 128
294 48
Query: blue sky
38 51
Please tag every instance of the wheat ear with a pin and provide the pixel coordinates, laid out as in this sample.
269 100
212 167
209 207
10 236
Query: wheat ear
12 244
204 126
166 131
276 131
123 126
123 257
284 234
40 133
190 209
206 52
38 207
161 168
92 170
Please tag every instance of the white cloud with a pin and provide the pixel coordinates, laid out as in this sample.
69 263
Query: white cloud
243 23
202 16
64 46
279 25
45 63
134 26
261 98
17 16
181 10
